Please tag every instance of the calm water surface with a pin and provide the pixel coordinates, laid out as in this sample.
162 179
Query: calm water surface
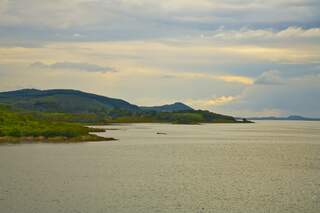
263 167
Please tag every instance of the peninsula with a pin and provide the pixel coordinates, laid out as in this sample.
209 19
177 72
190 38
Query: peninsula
31 115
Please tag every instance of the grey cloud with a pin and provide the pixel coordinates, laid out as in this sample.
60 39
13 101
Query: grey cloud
168 76
271 77
147 18
298 95
73 66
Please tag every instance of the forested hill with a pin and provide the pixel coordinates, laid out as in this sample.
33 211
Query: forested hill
69 101
74 101
176 107
76 106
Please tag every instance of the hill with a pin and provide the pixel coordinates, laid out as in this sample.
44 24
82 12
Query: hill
69 101
176 107
289 118
62 115
81 107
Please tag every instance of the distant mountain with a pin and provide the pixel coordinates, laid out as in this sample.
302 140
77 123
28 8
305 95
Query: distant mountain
61 100
289 118
176 107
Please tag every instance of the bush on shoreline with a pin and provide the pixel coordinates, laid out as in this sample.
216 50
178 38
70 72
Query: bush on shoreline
24 125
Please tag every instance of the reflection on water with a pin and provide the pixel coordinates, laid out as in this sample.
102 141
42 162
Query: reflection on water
262 167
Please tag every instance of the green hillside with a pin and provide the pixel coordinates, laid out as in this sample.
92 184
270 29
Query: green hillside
81 107
181 117
61 115
69 101
176 107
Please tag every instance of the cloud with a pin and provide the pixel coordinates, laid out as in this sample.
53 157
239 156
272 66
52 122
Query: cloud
207 103
140 19
298 95
245 33
183 53
236 79
201 75
48 14
271 77
72 66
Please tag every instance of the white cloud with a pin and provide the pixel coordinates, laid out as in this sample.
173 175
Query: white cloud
299 95
58 14
211 102
271 77
245 33
72 66
201 75
152 18
236 79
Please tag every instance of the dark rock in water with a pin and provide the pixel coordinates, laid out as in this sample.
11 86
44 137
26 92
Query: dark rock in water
161 133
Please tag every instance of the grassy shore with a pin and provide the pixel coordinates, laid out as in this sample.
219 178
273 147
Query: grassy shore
17 127
58 139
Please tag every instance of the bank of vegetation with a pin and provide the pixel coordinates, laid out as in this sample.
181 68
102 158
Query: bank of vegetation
20 126
63 115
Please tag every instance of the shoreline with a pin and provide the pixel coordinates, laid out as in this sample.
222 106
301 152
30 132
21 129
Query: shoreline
195 123
59 139
90 137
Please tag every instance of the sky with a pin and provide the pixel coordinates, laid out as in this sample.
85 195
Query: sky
237 57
